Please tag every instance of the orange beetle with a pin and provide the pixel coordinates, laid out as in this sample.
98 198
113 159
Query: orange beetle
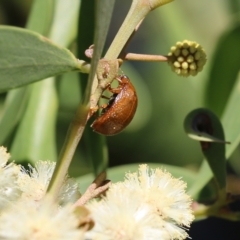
120 109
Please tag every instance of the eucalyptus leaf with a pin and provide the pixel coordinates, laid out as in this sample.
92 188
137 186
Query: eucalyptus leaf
40 20
223 73
203 176
204 126
64 29
14 107
35 137
104 9
26 57
41 16
230 121
94 144
230 118
97 148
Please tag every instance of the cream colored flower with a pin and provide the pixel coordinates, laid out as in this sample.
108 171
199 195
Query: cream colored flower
47 222
164 192
124 217
4 156
34 184
150 204
9 190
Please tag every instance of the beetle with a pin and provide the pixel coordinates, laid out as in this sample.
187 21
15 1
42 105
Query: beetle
120 109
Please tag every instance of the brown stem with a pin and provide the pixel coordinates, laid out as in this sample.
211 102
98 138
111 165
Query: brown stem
98 187
145 57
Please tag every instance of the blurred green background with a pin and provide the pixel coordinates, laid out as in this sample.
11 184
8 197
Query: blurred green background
156 134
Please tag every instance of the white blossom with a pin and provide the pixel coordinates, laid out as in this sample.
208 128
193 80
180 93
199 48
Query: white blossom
9 190
46 222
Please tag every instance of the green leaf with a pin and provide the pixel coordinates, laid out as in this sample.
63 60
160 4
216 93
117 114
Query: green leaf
64 29
40 20
103 19
26 57
14 107
69 104
224 70
231 126
104 9
41 16
116 174
96 144
234 6
35 137
203 176
231 118
204 126
85 35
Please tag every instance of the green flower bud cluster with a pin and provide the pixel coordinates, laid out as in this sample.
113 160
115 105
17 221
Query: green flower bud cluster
187 58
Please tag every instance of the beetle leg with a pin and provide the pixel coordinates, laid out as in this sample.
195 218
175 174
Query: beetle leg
114 90
105 97
103 106
122 79
94 109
